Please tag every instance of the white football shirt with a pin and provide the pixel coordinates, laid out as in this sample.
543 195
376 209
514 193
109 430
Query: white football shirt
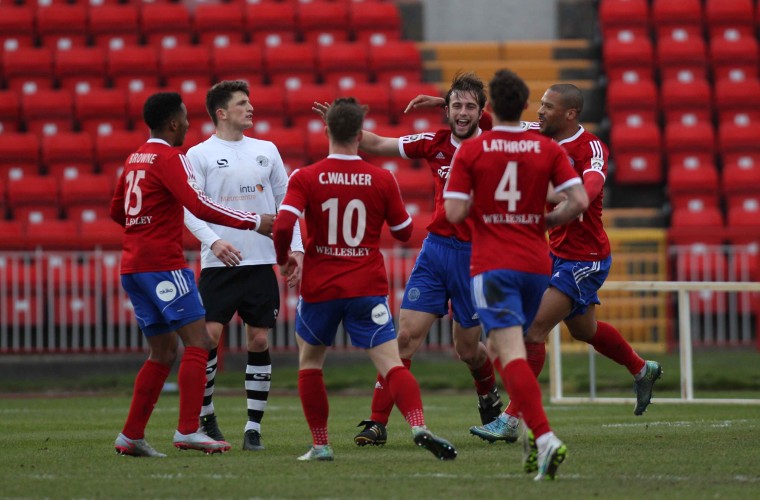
246 175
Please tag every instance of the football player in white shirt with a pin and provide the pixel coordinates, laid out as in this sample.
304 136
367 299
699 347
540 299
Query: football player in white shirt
236 266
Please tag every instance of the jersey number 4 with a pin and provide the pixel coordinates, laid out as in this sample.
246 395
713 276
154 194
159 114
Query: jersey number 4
507 188
354 208
133 189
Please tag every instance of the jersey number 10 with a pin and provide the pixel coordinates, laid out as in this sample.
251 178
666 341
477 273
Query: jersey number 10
354 208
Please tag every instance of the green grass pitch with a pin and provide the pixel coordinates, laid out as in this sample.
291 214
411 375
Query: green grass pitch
63 448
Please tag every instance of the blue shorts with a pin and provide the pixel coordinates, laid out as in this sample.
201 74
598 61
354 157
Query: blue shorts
505 298
442 274
579 280
367 321
163 301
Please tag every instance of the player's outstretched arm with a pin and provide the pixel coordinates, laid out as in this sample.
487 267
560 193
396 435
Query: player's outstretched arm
576 203
425 101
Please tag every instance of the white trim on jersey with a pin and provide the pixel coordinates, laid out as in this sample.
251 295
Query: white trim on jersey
567 184
291 209
597 158
477 292
402 225
455 195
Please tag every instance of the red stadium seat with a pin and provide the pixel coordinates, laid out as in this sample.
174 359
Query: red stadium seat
80 68
165 24
740 96
268 105
28 69
74 310
111 151
271 23
23 310
10 112
692 173
741 174
616 15
687 199
62 26
19 154
86 189
292 64
238 62
682 14
746 214
628 58
637 99
343 63
13 236
693 138
219 25
731 55
299 101
114 26
68 154
676 55
396 63
38 190
323 23
374 22
90 213
101 111
104 234
417 120
686 101
16 26
317 145
637 153
734 138
53 234
47 112
722 15
133 68
417 187
377 97
185 68
697 216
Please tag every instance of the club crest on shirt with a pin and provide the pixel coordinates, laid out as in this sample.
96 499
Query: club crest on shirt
262 161
597 163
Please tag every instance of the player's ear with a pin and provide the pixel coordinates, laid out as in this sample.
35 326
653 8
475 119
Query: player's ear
359 136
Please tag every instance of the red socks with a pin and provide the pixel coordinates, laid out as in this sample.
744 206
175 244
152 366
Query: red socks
608 342
484 378
406 393
382 400
192 384
536 354
522 387
148 385
316 408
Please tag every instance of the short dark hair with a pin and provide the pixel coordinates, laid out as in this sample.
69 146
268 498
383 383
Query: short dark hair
345 119
160 108
220 94
509 93
572 97
468 83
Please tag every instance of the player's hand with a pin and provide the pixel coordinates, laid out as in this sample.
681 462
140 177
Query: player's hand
321 108
265 227
289 268
425 101
227 253
295 277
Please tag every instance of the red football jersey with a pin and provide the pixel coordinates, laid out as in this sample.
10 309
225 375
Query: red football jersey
346 201
584 238
508 170
156 183
438 149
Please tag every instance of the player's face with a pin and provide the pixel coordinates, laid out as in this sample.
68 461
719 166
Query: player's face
240 111
551 114
183 124
463 114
